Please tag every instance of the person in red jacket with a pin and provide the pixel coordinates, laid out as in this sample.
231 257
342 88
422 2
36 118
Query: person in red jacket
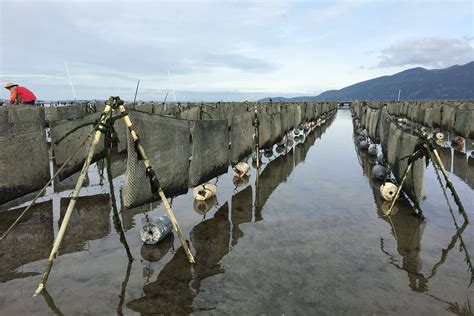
20 94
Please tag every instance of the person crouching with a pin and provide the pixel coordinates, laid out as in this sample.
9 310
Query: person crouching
19 94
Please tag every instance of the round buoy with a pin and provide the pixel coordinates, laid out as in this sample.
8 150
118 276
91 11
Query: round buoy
240 169
204 191
439 136
282 142
156 230
202 207
458 142
364 145
379 172
388 191
268 153
373 150
280 149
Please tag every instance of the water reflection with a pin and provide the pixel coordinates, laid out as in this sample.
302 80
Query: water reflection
178 282
460 164
241 212
174 290
279 169
275 172
407 230
29 241
89 221
50 302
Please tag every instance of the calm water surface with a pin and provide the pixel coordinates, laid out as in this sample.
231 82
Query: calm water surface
308 236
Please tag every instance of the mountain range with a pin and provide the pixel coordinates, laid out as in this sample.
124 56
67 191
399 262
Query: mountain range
452 83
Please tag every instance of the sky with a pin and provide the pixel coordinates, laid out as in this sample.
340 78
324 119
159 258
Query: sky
223 50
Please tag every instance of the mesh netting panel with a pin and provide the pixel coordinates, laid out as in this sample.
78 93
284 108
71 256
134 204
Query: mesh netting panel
277 132
241 135
285 125
158 108
413 185
191 114
23 119
70 112
265 130
144 107
363 118
290 116
448 117
369 122
428 119
368 114
71 142
235 111
463 121
421 113
24 164
393 142
212 112
166 143
298 115
373 127
384 130
210 153
437 115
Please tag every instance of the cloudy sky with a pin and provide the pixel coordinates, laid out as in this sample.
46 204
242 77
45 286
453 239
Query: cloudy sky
229 50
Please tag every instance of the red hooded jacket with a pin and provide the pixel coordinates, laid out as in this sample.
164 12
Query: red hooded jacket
23 95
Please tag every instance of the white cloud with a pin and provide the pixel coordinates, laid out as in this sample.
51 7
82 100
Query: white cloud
428 51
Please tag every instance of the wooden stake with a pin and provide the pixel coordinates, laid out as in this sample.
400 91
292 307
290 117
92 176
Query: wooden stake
72 202
155 184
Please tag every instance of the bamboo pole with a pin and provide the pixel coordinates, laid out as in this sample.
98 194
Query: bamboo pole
257 139
399 189
449 184
72 202
154 181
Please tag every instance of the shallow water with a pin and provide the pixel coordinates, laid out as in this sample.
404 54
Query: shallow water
307 237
